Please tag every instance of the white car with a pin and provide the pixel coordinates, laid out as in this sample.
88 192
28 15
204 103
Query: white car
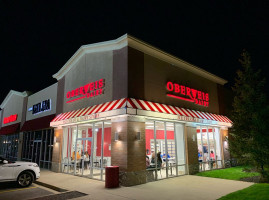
24 173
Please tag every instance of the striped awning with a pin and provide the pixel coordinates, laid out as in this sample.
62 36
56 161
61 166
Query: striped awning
163 108
137 104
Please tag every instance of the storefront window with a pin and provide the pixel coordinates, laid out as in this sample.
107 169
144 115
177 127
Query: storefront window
38 146
209 153
89 147
165 156
9 146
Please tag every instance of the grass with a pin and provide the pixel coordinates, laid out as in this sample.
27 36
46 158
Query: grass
233 173
257 191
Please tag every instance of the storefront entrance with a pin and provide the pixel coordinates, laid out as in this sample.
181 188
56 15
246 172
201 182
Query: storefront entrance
87 149
165 150
209 148
38 147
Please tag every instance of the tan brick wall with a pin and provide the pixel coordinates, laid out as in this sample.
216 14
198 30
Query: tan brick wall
224 145
192 150
57 150
128 153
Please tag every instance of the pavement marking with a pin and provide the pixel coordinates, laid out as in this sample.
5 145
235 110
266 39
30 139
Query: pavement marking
16 190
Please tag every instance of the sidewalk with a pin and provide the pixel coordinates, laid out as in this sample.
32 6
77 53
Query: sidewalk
184 187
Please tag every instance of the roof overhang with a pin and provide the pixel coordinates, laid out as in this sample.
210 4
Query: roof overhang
127 40
12 92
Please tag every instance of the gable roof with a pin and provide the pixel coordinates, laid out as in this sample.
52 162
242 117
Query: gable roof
9 95
128 40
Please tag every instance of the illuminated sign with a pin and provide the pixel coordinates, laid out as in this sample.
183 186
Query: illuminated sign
187 94
89 90
11 118
41 107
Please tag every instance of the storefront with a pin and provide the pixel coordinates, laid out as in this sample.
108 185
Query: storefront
12 116
38 136
128 104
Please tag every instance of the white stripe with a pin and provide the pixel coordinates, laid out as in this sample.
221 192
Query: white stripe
168 109
136 104
154 108
211 118
206 115
145 105
104 106
197 114
159 106
120 101
93 107
180 111
73 114
80 112
201 114
173 109
110 105
222 118
191 112
186 112
97 107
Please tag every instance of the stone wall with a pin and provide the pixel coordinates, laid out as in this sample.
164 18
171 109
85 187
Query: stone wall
192 150
57 151
129 153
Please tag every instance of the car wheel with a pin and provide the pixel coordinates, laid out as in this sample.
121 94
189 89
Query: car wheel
25 179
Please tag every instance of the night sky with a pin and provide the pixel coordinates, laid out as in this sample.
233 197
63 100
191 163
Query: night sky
37 39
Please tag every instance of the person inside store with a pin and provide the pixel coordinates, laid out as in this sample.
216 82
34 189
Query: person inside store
86 159
73 156
212 158
163 156
159 160
147 162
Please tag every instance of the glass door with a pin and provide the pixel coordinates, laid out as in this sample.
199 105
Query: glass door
36 152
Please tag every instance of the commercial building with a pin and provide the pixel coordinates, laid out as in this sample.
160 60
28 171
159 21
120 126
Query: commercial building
126 103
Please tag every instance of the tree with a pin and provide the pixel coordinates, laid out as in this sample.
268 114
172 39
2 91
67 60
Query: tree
249 141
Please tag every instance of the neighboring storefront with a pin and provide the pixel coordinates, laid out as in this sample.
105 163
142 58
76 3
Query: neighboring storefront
12 116
124 102
38 136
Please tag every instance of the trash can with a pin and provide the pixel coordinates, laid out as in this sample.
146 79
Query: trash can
112 177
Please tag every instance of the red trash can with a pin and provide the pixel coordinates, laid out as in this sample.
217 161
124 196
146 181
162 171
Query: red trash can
112 176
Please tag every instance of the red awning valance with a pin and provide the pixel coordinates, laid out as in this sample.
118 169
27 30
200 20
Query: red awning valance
37 124
10 129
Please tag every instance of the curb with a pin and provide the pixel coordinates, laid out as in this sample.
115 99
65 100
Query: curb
51 186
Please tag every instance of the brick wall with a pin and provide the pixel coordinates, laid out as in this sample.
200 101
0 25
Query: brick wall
57 151
192 150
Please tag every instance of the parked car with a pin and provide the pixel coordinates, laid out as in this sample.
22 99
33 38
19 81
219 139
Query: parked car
24 173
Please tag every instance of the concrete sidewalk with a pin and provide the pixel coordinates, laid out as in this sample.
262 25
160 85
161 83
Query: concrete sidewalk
184 187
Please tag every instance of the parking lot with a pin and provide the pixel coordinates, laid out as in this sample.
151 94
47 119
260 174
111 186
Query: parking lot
10 191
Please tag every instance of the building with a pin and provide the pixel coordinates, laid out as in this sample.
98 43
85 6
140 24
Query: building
122 102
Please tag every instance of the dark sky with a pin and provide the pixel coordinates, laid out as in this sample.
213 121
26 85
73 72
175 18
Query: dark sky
37 39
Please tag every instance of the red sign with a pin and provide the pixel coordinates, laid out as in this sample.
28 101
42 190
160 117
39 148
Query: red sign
87 91
187 94
11 118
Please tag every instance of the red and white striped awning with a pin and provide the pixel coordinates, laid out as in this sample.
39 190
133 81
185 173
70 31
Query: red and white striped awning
112 105
163 108
126 103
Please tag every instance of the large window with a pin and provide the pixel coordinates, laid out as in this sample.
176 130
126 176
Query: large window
165 150
87 149
38 147
9 146
209 150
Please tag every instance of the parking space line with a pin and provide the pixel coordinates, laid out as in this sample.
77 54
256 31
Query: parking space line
16 190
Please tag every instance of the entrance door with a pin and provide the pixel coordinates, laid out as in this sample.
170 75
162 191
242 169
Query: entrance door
82 158
36 151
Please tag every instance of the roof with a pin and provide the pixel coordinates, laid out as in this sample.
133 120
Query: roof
12 92
127 40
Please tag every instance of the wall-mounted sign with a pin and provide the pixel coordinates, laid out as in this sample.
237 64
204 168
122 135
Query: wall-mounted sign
89 90
187 94
11 118
41 107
